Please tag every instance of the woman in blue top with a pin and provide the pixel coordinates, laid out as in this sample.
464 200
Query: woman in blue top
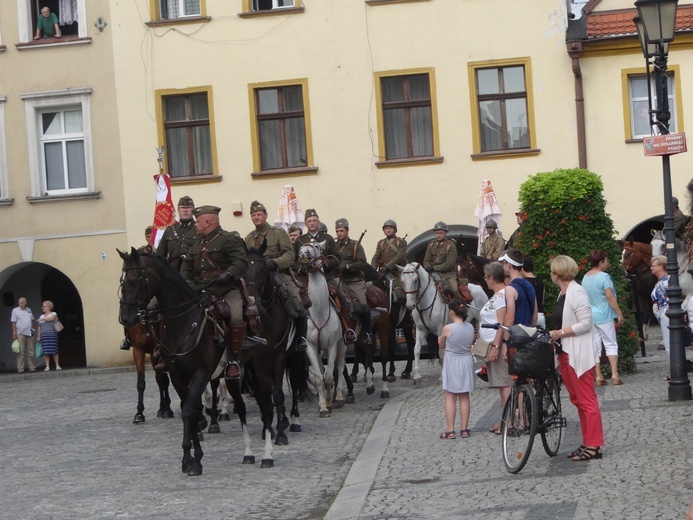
602 294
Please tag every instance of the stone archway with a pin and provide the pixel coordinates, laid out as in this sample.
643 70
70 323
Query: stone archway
642 232
38 282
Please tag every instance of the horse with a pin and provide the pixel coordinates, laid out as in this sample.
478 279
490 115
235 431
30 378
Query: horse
143 342
636 259
279 332
191 346
430 312
471 267
658 244
324 333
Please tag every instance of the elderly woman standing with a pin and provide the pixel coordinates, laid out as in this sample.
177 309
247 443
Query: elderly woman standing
660 302
572 317
48 336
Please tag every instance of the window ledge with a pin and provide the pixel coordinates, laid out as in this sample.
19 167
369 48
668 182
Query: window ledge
385 2
6 202
178 21
194 179
52 42
409 161
286 171
272 12
634 140
506 154
71 196
3 48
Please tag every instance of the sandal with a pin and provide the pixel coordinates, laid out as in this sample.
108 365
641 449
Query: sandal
495 428
616 382
588 454
448 435
600 382
465 433
576 452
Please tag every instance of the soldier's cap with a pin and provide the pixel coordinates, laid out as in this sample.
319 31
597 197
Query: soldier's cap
513 257
491 223
294 227
206 210
341 223
674 201
186 201
148 230
310 213
257 206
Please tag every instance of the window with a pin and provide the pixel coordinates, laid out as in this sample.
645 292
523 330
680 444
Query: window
502 110
59 128
636 110
262 7
68 12
186 131
281 133
268 5
407 115
175 9
4 193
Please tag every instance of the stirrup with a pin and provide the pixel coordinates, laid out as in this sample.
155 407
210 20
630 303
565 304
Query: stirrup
301 344
230 373
125 344
368 338
349 336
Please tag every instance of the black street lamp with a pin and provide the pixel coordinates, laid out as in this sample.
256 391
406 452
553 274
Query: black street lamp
655 26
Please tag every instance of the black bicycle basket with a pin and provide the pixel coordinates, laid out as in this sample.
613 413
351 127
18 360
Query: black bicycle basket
529 352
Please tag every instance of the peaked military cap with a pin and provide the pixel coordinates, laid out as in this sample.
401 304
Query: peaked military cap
491 223
186 201
441 226
206 210
294 227
148 230
391 223
341 223
310 213
257 206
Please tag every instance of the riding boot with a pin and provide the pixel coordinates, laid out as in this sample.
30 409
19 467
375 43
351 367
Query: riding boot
367 328
156 357
301 331
125 344
235 345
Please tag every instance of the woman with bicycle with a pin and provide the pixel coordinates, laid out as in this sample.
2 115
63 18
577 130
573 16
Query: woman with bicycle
572 319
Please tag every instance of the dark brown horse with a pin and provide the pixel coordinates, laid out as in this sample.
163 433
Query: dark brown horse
471 267
637 260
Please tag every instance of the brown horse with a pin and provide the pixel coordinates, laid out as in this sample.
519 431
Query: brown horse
471 267
637 260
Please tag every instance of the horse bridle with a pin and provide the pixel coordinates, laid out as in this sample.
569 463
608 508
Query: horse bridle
418 285
315 262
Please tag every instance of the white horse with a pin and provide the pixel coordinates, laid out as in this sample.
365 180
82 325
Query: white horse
658 244
324 332
428 310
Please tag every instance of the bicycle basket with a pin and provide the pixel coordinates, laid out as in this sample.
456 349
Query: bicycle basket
529 354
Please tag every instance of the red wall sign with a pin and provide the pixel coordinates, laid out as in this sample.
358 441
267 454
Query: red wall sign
669 144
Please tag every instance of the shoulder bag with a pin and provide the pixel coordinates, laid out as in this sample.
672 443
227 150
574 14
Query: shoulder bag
481 349
57 326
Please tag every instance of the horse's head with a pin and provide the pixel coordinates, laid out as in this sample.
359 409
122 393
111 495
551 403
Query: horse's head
135 292
258 275
411 276
310 255
658 243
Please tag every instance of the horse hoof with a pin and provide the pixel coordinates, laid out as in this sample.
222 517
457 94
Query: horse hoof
267 463
139 418
353 378
338 404
405 375
350 399
391 378
325 413
214 428
295 428
281 440
249 459
196 471
384 394
370 390
189 466
223 417
166 414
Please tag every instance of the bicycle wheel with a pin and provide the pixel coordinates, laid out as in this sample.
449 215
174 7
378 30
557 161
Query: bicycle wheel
518 427
552 421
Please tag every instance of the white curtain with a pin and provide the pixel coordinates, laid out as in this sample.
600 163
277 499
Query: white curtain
67 12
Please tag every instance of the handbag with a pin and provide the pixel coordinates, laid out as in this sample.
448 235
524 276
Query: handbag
15 346
481 349
57 326
38 350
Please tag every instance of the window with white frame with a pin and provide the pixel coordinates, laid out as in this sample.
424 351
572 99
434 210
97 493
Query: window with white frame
172 9
68 12
268 5
4 193
60 144
639 109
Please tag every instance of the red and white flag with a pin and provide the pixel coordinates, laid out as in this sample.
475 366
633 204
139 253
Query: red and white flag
164 210
487 208
289 211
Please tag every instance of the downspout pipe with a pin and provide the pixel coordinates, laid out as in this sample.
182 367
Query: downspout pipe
574 51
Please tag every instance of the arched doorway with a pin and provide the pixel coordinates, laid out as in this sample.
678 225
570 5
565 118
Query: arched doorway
38 282
643 232
468 240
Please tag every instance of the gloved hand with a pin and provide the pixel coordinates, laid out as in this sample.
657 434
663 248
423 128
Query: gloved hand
429 270
225 277
347 267
383 269
271 265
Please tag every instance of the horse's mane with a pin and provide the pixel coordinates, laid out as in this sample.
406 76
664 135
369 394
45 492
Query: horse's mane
168 273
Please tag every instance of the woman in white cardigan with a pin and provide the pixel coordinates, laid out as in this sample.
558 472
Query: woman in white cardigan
572 320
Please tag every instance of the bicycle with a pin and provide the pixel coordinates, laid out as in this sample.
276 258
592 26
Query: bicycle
534 404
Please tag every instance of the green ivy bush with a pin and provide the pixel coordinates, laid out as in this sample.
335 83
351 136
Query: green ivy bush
566 215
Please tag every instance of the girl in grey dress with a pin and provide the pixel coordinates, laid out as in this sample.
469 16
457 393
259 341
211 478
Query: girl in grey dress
458 368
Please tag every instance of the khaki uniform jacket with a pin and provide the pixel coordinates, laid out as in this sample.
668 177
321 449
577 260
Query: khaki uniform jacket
177 241
332 268
442 256
279 247
390 253
492 247
351 253
210 256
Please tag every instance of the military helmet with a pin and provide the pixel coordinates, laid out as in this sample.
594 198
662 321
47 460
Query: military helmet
341 223
186 201
391 223
322 227
310 213
442 226
257 206
674 201
491 223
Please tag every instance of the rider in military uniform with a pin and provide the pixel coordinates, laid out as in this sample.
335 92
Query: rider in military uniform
391 252
441 258
216 263
149 246
317 232
494 245
280 257
178 238
352 261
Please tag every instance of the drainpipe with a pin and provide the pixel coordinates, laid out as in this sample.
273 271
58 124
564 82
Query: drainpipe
574 51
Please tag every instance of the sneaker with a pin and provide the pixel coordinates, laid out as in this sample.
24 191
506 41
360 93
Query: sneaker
46 369
20 371
58 368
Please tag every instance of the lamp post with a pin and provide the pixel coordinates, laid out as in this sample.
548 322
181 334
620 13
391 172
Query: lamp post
655 25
